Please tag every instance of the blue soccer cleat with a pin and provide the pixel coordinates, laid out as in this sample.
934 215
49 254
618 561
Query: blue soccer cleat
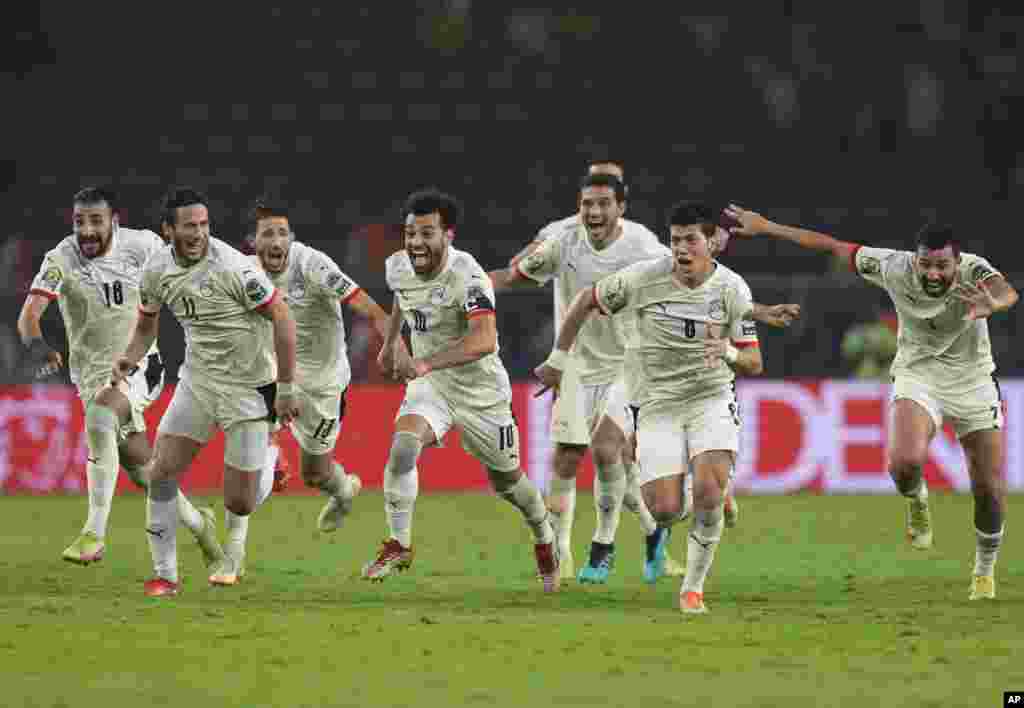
655 552
597 569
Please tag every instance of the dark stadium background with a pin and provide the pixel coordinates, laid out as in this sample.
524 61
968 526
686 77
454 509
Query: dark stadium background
859 122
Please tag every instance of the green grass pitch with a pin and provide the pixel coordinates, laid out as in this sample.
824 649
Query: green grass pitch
815 601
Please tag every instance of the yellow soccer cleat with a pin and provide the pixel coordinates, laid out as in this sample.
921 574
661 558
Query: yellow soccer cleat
228 571
87 548
983 587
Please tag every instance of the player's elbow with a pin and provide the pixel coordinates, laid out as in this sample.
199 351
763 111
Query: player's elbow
482 346
754 367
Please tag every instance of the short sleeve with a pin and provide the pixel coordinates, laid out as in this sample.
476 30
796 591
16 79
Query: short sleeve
478 297
742 332
150 295
613 293
541 265
872 264
329 279
50 278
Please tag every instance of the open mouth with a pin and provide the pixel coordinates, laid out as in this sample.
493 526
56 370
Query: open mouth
420 259
90 245
274 258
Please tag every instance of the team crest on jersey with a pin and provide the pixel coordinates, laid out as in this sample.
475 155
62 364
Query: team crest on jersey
615 294
437 295
716 310
870 265
338 283
980 272
297 289
255 290
52 278
206 288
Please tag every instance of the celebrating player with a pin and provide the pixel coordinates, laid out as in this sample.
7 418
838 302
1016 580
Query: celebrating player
682 304
943 369
226 304
94 275
456 379
315 288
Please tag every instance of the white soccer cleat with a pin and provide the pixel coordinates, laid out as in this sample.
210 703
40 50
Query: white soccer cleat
207 538
228 571
336 509
919 523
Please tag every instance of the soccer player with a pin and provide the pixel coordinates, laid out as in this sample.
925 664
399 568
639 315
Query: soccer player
226 304
315 288
456 379
94 276
591 406
688 416
943 369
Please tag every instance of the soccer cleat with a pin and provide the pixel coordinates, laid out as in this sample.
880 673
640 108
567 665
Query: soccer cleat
547 565
730 511
391 557
983 587
919 523
207 538
158 587
692 603
602 559
336 509
228 571
87 548
655 554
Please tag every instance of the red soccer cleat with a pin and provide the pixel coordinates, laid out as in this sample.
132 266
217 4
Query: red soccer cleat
159 587
547 565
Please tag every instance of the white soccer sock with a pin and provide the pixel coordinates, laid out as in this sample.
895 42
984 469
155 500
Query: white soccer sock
563 509
338 484
162 528
525 496
237 528
987 551
633 500
188 514
101 468
609 490
700 548
266 483
400 492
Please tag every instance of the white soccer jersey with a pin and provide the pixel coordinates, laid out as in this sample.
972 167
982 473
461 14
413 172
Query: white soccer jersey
438 312
932 331
568 256
672 324
216 302
315 289
98 298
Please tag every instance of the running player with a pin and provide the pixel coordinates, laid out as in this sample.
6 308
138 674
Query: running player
456 379
688 416
943 370
93 274
227 307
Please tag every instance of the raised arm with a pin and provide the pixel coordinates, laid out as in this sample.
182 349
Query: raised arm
43 358
753 224
988 297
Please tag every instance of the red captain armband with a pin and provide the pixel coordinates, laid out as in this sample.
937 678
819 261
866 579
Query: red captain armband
853 257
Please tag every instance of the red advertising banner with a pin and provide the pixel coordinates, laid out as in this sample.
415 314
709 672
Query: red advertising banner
826 436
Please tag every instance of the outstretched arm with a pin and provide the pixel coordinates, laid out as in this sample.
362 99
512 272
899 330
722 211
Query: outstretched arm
510 278
550 372
774 315
753 224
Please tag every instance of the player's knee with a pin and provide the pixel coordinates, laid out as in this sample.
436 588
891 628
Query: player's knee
567 460
905 464
503 480
606 452
666 510
239 504
405 449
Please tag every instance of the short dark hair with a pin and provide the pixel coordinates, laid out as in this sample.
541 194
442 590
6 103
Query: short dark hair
176 198
428 201
269 207
935 237
688 213
603 180
95 195
601 161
